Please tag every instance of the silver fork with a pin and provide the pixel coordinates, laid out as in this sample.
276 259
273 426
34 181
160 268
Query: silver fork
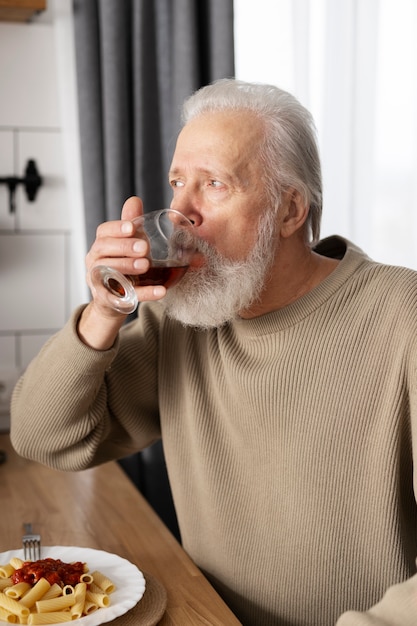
31 544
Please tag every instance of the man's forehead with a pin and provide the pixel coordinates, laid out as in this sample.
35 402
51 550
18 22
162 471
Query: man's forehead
224 119
221 133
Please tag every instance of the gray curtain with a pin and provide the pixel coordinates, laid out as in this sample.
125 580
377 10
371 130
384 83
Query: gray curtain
136 61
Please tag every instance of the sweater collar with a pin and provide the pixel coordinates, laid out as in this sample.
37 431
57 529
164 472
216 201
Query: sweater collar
351 258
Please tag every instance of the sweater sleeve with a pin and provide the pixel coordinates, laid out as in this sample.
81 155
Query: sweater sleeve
398 607
70 409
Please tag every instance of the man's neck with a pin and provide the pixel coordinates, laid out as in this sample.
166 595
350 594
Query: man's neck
296 271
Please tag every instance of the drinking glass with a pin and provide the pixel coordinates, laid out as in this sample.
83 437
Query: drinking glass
171 246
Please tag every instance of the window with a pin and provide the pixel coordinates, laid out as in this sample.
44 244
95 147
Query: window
354 65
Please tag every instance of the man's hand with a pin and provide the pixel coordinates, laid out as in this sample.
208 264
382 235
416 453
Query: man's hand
116 246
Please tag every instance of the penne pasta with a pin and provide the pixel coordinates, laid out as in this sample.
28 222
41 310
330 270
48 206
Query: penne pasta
89 607
44 603
6 570
5 582
16 563
103 582
6 616
35 593
94 589
53 592
79 595
17 591
13 606
55 604
49 618
101 599
86 578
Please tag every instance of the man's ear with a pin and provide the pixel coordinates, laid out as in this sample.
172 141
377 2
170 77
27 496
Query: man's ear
294 212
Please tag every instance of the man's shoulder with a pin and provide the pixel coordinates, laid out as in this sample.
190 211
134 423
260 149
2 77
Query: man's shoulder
340 248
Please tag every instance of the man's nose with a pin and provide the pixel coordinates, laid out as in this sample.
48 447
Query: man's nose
186 204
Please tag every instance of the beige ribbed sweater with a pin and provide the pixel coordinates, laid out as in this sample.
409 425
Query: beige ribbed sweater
288 439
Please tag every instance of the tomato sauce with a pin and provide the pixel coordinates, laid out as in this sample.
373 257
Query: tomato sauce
54 570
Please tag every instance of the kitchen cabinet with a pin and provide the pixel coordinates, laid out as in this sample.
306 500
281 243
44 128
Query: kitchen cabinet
20 10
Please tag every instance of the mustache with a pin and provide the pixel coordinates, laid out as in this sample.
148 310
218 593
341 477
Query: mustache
183 239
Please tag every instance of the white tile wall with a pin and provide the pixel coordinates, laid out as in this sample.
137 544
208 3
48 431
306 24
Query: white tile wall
32 281
28 83
8 350
35 241
28 345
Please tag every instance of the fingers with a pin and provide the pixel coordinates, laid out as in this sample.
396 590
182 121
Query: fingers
123 253
118 248
132 208
116 245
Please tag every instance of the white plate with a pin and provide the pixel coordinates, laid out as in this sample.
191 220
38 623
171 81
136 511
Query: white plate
128 579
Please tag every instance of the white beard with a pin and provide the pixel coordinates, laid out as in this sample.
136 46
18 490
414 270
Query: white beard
215 293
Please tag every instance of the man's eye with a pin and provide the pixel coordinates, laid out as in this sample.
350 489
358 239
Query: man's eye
215 183
176 183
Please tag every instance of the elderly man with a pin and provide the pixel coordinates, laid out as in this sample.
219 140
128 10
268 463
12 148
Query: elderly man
280 373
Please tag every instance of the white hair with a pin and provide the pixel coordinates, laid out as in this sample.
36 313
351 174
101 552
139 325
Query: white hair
289 150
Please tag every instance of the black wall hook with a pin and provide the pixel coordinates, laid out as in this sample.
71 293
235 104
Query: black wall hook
32 181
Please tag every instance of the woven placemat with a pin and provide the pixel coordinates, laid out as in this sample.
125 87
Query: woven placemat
149 610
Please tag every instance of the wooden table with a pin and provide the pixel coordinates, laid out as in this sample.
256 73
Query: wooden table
100 508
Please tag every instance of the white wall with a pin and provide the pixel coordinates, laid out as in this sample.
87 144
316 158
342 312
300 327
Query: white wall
37 253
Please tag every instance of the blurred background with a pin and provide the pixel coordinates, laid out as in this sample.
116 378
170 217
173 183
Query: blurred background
91 89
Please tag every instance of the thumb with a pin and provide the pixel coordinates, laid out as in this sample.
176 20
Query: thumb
133 207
